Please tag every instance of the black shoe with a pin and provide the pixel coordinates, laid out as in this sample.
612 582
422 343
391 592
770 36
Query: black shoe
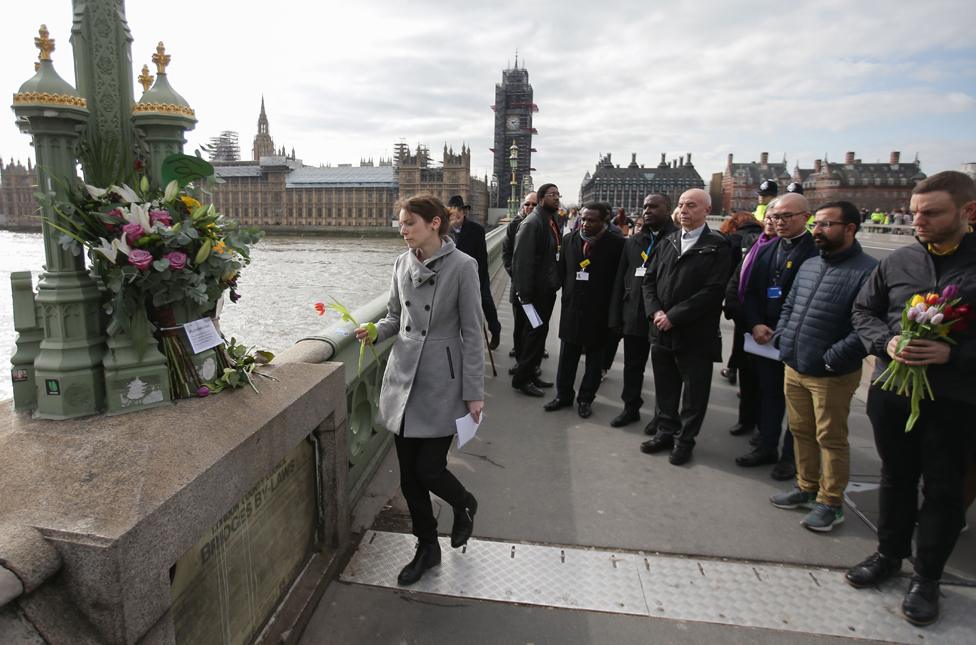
758 457
921 604
755 439
428 555
740 429
529 389
625 418
784 470
729 375
511 353
463 521
511 370
556 404
538 382
584 410
680 454
659 443
494 342
875 569
651 428
545 354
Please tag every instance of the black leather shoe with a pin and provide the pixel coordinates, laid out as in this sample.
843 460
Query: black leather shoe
739 429
659 443
511 370
511 353
463 521
875 569
584 410
784 470
625 418
651 428
428 555
545 354
755 438
921 604
680 454
729 375
494 342
556 404
538 382
757 457
529 389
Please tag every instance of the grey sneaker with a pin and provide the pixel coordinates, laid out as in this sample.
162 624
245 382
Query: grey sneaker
823 518
796 498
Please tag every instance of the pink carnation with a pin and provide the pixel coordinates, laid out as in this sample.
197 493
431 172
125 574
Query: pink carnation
160 216
133 232
177 260
140 259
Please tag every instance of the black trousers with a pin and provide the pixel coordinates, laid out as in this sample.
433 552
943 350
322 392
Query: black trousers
518 327
423 470
772 407
569 357
681 379
749 391
937 450
534 341
636 351
491 313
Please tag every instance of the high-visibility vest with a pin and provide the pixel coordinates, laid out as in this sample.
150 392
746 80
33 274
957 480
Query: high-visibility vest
760 213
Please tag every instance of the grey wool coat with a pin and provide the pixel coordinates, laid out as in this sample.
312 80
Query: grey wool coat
438 361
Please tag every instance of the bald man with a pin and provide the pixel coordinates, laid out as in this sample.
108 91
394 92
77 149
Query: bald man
683 290
765 292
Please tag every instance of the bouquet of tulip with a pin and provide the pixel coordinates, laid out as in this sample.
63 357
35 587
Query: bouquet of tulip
347 316
930 317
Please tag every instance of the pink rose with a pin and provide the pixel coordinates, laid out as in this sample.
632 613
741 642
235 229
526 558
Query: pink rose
177 260
133 232
140 259
160 216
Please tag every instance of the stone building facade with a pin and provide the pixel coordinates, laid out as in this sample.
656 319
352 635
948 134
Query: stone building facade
740 181
18 209
416 173
627 187
884 186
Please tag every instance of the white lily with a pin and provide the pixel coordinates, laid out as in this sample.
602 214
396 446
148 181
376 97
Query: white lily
128 195
95 192
172 190
111 249
137 214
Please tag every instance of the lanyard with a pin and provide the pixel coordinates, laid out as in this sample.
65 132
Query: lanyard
555 232
646 254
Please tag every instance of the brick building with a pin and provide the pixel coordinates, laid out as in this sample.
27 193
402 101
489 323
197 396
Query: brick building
740 181
626 187
18 209
884 186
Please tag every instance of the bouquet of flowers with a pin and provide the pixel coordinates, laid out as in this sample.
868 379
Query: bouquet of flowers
930 317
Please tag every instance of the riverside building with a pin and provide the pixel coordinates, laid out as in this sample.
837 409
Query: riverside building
627 187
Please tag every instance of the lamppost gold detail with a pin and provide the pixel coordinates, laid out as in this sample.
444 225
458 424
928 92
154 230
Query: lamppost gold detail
146 79
44 43
161 58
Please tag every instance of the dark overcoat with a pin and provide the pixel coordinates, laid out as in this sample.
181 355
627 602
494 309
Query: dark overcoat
584 318
627 303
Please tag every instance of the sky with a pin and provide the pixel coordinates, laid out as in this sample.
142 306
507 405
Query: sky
344 81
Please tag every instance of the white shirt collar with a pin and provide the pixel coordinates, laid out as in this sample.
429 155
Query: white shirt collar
690 238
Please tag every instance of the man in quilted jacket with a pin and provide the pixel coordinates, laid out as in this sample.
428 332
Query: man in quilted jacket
823 356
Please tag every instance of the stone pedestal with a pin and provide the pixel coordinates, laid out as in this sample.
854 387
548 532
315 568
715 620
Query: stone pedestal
29 337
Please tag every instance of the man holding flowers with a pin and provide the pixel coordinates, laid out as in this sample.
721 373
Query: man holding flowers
926 364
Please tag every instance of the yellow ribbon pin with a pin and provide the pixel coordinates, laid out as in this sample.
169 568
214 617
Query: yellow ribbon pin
585 263
644 256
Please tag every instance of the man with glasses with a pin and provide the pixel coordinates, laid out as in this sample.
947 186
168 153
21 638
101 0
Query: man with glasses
508 247
769 284
536 278
823 356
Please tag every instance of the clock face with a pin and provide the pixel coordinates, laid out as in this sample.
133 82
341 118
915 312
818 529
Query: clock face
512 122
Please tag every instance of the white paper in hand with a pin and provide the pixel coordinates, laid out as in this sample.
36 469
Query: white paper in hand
466 428
534 318
766 351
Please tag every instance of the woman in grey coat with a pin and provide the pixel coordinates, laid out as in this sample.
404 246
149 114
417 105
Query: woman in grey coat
435 373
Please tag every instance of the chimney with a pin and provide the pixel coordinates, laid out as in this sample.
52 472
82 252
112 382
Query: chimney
674 163
849 159
729 162
764 158
633 157
688 162
895 156
817 165
681 161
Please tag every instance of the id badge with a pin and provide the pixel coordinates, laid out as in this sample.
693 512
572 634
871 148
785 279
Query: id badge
557 256
582 276
774 292
640 272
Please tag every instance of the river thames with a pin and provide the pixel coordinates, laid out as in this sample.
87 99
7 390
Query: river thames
287 275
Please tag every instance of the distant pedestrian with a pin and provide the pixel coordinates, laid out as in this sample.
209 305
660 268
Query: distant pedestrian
823 356
435 372
683 299
588 267
508 248
767 192
469 238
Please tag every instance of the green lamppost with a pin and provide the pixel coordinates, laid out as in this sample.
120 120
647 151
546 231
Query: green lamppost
68 369
512 198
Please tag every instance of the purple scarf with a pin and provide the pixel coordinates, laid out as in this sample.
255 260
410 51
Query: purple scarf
747 262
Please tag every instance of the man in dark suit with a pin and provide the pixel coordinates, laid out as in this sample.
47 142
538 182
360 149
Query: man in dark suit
683 293
627 312
768 286
469 237
588 267
508 248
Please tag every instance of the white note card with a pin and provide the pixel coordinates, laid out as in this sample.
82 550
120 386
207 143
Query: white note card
202 335
766 351
467 427
534 318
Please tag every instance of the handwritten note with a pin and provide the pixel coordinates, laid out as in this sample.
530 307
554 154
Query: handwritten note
202 335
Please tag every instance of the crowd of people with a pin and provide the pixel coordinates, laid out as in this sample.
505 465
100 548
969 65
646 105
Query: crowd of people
807 304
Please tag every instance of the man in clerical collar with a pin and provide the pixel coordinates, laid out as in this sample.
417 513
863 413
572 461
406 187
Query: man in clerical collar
469 236
769 285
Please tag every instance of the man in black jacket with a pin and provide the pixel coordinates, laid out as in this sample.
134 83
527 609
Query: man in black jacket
627 314
469 236
588 266
683 298
536 278
508 248
938 446
765 292
823 356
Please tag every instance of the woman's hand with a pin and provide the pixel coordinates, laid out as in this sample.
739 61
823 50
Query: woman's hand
475 408
362 334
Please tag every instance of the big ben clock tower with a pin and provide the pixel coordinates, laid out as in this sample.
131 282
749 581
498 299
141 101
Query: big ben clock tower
513 123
